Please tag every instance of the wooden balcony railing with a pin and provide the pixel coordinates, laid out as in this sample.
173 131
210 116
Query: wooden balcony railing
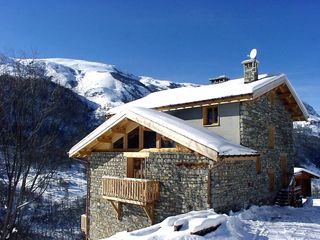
130 190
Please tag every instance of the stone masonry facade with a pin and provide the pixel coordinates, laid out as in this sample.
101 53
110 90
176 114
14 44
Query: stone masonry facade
255 119
183 187
234 185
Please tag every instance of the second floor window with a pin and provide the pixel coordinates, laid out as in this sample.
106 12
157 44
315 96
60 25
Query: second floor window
211 116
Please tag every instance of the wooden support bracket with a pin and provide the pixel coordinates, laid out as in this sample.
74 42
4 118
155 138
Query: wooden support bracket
149 210
117 207
85 152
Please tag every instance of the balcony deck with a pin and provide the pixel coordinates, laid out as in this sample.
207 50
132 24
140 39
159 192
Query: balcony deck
142 192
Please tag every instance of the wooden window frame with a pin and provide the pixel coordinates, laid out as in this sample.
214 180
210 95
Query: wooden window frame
205 116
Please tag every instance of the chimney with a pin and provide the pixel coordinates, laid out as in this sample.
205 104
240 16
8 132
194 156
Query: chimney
250 67
220 79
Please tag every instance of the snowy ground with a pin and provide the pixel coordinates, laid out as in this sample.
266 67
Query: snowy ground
273 222
265 222
68 183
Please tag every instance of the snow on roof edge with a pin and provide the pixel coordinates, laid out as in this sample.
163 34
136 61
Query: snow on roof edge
299 170
264 84
96 133
225 148
221 149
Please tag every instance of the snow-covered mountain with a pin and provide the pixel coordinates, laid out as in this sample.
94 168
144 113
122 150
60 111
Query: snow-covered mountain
306 137
312 126
101 83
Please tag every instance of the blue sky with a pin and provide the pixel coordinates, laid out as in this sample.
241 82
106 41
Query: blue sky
183 41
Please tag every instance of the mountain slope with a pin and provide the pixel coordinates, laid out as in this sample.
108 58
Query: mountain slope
312 126
103 84
306 138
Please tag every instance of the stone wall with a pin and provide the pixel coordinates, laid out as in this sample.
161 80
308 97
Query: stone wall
255 118
235 185
183 187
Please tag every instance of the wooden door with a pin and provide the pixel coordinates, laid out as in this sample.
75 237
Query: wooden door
136 167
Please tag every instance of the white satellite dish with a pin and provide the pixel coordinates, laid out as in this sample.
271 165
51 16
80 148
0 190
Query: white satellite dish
253 53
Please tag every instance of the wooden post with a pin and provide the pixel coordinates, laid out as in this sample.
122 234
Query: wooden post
158 141
125 142
141 137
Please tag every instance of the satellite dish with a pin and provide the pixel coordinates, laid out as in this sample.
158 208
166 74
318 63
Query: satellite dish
253 53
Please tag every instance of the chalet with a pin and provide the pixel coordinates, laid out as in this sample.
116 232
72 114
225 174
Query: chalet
225 145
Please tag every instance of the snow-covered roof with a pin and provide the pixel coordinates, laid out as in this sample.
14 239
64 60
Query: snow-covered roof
231 88
300 170
195 138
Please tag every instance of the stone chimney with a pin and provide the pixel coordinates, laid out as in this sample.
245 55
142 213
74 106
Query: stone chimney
220 79
250 67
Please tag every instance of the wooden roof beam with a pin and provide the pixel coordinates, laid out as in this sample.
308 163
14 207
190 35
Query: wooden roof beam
85 152
104 139
287 94
121 130
283 88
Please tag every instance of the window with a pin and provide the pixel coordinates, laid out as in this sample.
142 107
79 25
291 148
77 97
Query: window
211 116
271 137
118 144
133 139
167 143
136 168
149 139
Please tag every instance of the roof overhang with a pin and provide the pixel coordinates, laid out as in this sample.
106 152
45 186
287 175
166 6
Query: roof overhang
310 174
199 140
281 85
287 93
265 85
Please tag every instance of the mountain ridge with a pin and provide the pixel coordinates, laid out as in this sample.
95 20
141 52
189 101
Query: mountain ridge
101 83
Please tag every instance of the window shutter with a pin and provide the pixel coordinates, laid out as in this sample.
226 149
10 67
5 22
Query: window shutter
271 137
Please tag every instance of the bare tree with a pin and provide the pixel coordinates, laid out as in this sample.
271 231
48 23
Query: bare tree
29 134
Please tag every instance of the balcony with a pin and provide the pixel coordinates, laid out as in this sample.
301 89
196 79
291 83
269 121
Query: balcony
140 192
